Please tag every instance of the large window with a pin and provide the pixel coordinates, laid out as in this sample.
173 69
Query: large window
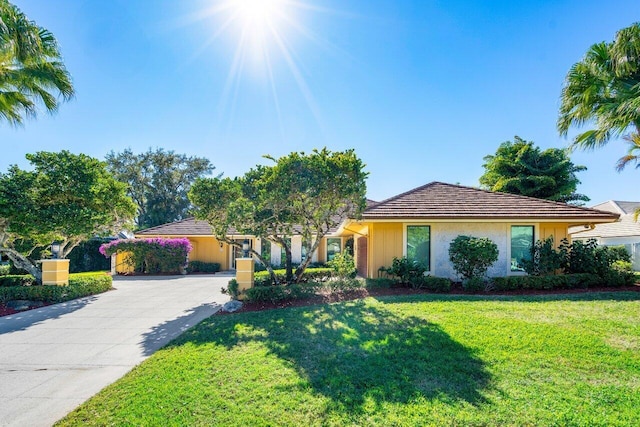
419 244
521 244
334 247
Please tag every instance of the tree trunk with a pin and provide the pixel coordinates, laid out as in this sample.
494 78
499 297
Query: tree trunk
274 278
302 267
20 261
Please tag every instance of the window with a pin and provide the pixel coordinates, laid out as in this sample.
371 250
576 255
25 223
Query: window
334 247
521 244
419 244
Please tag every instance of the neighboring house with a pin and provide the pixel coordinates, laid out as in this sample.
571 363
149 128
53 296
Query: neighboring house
208 249
420 224
625 231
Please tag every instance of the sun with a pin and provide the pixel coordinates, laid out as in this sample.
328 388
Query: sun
262 36
258 12
259 20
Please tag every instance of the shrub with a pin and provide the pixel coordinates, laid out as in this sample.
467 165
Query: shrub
231 289
585 257
343 265
561 281
262 278
279 293
17 280
474 284
4 269
342 284
86 257
436 284
154 255
620 265
472 256
407 271
203 267
619 253
79 286
379 283
544 258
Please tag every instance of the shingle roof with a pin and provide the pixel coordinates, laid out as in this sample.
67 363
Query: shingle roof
186 227
438 200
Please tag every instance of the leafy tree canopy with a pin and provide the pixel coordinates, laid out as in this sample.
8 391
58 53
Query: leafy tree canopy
158 182
300 193
604 89
66 197
31 68
519 167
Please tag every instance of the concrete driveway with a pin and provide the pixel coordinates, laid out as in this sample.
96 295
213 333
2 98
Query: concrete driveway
54 358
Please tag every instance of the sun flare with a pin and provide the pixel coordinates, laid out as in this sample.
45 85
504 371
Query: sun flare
258 12
265 34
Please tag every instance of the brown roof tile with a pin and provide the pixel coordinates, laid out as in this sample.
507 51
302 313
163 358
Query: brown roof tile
438 200
186 227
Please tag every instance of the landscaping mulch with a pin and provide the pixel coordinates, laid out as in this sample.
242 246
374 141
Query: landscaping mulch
6 311
457 289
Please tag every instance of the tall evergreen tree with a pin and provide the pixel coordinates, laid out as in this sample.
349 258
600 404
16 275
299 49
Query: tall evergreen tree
158 182
519 167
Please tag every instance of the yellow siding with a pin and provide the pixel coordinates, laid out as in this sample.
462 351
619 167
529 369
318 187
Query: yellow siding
122 263
322 250
385 243
558 231
207 249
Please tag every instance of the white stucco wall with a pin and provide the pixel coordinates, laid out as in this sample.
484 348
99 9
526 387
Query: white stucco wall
442 234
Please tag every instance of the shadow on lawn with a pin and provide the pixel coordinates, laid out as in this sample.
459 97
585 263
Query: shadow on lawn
358 354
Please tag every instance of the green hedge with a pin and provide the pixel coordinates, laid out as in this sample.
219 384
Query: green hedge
563 281
280 292
5 269
80 285
16 280
262 278
203 267
435 284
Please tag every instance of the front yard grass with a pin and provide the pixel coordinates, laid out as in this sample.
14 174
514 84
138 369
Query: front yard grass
411 360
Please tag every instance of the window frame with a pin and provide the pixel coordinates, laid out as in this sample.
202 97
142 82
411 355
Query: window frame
535 228
406 241
326 249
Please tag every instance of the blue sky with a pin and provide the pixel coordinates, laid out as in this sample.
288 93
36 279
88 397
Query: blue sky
422 90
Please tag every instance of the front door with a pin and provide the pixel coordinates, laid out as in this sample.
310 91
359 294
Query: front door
361 261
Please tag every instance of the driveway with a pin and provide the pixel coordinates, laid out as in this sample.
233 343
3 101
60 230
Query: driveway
54 358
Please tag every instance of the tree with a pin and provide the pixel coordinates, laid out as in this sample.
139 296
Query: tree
31 68
67 198
308 194
521 168
604 88
158 182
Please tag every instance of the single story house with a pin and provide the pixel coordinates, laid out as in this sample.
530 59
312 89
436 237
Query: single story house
625 231
420 223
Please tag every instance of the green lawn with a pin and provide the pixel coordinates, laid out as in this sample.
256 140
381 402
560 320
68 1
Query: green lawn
415 360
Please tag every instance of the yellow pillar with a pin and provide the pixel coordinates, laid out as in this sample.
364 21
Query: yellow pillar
244 275
55 271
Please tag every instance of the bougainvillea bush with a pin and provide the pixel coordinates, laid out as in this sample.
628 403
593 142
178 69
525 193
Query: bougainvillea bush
153 255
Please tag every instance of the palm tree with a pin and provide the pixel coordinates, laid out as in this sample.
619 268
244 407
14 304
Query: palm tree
604 88
31 68
634 147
